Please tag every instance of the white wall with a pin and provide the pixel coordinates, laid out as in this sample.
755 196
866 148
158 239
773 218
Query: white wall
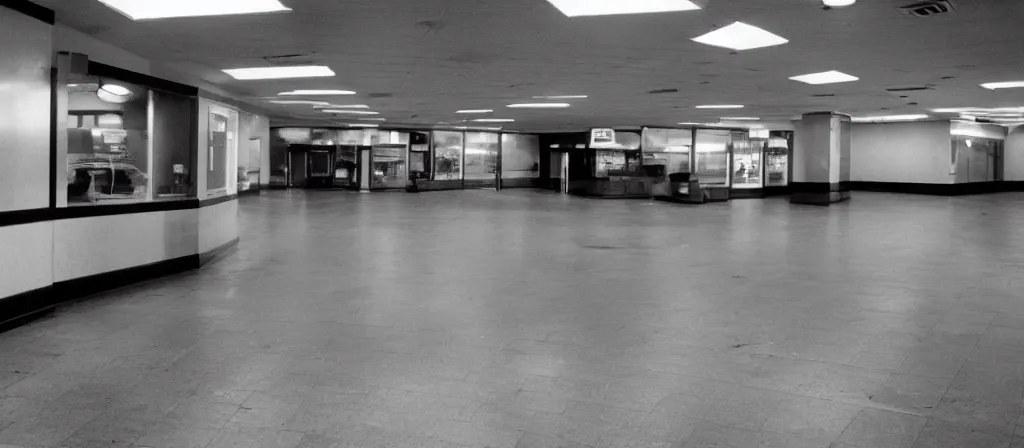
812 145
1013 154
26 258
94 245
25 61
914 152
74 41
218 225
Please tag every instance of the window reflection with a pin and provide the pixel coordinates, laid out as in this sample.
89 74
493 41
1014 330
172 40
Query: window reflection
448 155
481 156
712 156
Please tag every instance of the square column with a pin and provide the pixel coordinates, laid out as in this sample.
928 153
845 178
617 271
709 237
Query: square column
821 159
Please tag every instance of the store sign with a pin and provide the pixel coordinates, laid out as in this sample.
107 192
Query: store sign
759 133
387 152
602 138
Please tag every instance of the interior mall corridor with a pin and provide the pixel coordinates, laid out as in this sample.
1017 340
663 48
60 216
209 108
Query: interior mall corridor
533 320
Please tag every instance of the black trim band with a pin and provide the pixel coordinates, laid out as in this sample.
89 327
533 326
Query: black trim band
20 309
217 200
19 217
218 252
109 71
32 10
939 189
89 211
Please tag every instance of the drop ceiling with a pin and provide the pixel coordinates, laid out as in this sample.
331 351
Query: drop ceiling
419 61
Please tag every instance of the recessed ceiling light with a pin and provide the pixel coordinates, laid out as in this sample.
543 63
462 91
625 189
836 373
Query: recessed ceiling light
838 3
363 125
297 71
349 112
740 36
316 93
561 97
690 123
474 111
576 8
829 77
343 106
308 103
720 106
1003 85
156 9
881 118
739 118
494 120
540 106
978 110
372 119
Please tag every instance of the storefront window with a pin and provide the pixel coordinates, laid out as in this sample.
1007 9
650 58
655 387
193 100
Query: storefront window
419 155
712 156
389 160
746 160
126 143
520 156
481 156
776 159
669 148
448 155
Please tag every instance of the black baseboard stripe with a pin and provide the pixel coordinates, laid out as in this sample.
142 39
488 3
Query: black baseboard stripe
219 252
939 189
20 309
250 192
19 217
217 200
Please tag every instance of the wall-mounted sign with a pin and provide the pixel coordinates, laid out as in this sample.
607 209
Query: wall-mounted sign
759 133
602 138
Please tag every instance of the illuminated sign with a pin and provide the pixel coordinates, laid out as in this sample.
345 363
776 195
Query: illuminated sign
602 138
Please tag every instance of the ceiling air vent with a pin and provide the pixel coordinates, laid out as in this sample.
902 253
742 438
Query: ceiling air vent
823 95
660 91
928 8
908 89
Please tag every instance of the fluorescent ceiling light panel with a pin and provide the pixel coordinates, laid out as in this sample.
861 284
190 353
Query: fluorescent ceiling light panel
163 9
349 112
540 106
739 118
577 8
494 120
881 118
316 93
297 71
1003 85
308 103
561 97
720 106
343 106
474 111
373 119
363 125
740 36
829 77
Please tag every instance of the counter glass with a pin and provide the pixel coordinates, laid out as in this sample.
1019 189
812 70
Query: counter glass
481 156
126 143
448 148
711 157
670 148
776 159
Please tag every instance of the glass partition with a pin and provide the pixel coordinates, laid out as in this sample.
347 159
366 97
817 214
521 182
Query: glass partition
746 156
389 160
126 143
481 156
776 159
520 156
670 148
448 155
711 156
223 142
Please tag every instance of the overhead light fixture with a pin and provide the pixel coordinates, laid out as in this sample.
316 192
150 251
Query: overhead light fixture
474 111
838 3
829 77
577 8
293 102
1003 85
295 71
885 118
373 119
561 97
156 9
494 120
114 93
343 106
349 112
739 118
539 106
688 123
720 106
316 93
363 125
740 36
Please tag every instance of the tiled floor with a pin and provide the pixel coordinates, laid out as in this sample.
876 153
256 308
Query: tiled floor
532 320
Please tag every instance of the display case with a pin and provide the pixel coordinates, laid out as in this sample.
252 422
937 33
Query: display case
126 143
776 160
481 159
